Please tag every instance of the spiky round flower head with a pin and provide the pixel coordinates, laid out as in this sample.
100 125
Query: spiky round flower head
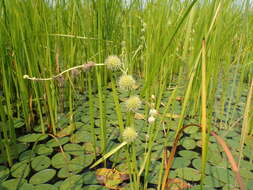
113 62
129 134
133 103
152 112
126 82
151 119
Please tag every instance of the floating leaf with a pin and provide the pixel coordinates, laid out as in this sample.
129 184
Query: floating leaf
189 174
73 182
27 155
180 162
81 136
40 163
20 169
177 184
74 149
60 160
66 131
45 187
95 187
186 154
42 176
12 184
111 178
4 173
188 143
59 142
18 123
43 149
33 137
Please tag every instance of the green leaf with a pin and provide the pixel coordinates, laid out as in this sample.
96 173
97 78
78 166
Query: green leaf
33 137
20 169
40 163
4 173
42 176
59 142
60 160
74 149
189 174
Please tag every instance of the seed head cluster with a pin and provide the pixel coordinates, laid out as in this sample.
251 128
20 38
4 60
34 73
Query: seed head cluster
129 134
126 82
133 103
113 62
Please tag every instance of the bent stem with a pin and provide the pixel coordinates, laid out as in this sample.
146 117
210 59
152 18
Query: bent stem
220 141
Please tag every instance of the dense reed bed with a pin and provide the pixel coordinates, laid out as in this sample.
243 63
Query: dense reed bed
129 76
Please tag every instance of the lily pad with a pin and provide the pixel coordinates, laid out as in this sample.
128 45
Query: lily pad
186 154
188 143
73 182
189 174
57 142
180 162
40 163
222 174
18 123
42 176
81 136
43 149
27 186
26 155
33 137
4 173
45 187
20 169
95 187
13 184
60 160
74 149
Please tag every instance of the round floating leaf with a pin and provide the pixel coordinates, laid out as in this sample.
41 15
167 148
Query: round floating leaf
222 174
246 172
12 184
18 123
59 142
27 186
40 163
212 183
4 173
42 176
197 165
81 136
188 154
89 177
58 184
45 187
95 187
27 155
192 130
43 150
81 162
60 160
73 182
180 162
188 143
20 169
64 173
33 137
74 149
188 174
